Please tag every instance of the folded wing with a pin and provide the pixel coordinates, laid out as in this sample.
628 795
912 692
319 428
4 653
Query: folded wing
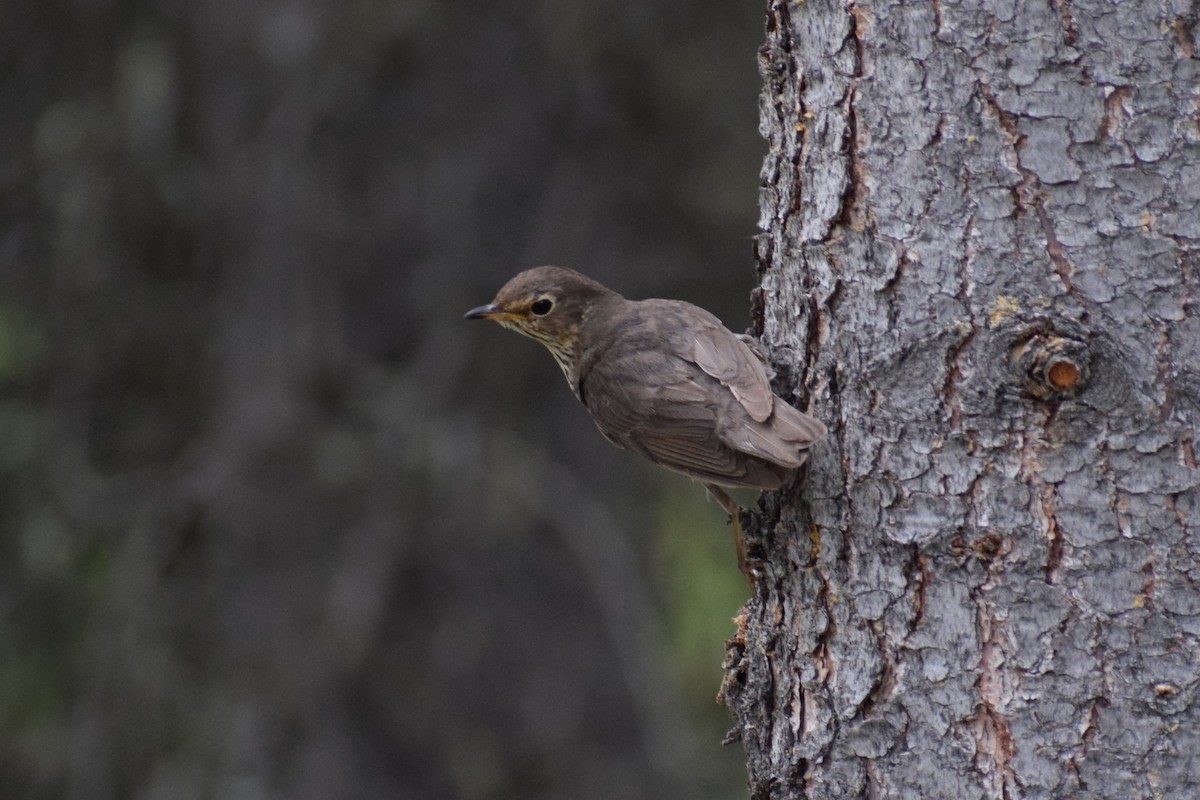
706 410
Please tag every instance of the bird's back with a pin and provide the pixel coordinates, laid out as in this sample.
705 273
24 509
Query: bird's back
666 379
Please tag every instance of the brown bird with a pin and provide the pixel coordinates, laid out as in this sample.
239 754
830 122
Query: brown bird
663 378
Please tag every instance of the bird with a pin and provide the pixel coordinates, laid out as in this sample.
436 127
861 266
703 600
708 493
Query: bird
664 379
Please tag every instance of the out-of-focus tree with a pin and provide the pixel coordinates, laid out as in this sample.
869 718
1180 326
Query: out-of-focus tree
274 521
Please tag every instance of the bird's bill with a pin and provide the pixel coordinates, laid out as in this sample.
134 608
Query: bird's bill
491 311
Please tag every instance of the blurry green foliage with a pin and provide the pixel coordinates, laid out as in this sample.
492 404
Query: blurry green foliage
703 590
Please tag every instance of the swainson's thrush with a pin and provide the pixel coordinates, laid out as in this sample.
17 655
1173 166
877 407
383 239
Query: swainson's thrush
663 378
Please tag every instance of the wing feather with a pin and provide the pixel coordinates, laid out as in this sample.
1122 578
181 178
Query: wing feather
696 400
727 358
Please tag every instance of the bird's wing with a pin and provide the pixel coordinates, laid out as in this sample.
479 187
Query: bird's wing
680 417
727 358
774 430
664 412
694 397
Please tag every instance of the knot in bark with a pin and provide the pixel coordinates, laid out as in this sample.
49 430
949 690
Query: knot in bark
1053 367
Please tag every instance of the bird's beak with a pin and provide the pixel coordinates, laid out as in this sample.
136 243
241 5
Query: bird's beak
490 311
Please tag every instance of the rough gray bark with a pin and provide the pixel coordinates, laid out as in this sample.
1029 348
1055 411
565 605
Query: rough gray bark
981 226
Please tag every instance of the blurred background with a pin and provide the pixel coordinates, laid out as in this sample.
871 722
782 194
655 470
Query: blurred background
275 521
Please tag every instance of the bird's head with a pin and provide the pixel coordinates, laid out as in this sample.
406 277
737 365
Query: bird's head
548 304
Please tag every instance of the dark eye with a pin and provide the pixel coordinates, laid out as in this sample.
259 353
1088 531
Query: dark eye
542 307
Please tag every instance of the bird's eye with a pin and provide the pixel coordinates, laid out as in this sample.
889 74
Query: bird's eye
542 307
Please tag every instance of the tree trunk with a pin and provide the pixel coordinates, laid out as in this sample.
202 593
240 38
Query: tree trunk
979 259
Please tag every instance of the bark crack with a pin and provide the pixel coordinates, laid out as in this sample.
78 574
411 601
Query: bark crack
950 394
1068 22
821 654
1054 248
885 680
1091 723
851 214
994 747
1118 504
1162 374
954 373
812 350
1054 540
1116 110
1184 37
1146 593
847 550
1046 493
919 570
890 289
1027 194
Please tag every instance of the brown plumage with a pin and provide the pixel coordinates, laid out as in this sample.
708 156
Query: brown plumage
663 378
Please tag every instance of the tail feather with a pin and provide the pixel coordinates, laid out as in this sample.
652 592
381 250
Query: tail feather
784 439
796 427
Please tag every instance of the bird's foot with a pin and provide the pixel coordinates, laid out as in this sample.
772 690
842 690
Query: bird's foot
750 570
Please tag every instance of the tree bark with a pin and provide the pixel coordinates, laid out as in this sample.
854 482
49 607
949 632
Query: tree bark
979 264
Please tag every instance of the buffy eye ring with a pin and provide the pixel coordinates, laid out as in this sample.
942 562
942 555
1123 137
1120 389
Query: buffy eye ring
542 307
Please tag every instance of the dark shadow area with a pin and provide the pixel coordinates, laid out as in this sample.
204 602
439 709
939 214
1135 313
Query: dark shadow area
276 522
